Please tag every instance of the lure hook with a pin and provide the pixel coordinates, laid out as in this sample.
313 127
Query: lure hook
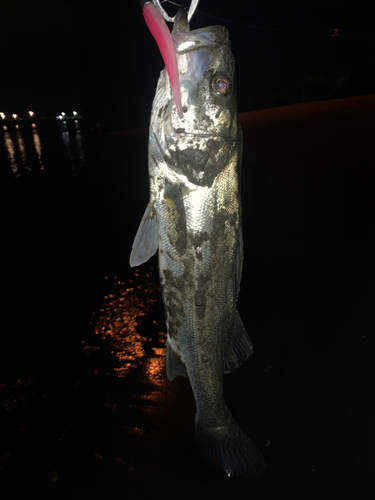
192 8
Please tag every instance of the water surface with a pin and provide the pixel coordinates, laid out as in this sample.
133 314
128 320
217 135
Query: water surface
34 146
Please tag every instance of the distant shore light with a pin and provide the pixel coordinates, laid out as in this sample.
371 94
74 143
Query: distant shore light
62 113
2 115
75 113
15 116
31 113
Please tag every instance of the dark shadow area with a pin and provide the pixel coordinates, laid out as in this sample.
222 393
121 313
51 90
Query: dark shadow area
86 409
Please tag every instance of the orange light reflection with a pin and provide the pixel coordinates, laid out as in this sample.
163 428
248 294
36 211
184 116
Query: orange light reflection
121 321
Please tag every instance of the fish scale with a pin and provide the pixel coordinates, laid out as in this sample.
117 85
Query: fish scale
194 220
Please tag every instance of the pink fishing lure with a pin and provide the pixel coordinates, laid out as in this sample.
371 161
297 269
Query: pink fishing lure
163 38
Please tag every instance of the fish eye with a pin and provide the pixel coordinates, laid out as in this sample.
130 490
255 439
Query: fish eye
221 86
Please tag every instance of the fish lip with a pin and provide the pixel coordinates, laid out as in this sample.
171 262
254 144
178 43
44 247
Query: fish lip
194 134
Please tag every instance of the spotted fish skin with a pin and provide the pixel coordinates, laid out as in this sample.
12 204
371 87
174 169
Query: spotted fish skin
194 220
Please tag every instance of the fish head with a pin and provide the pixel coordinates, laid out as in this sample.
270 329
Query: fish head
200 142
206 68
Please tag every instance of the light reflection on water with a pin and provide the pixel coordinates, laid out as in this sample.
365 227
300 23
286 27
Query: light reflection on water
21 149
8 143
79 141
37 145
66 140
121 318
26 146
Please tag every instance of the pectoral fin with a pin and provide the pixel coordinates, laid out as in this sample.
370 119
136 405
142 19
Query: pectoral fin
146 240
241 347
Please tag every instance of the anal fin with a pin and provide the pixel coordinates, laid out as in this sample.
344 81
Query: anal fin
241 347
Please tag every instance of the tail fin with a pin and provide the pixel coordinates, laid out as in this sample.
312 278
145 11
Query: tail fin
227 449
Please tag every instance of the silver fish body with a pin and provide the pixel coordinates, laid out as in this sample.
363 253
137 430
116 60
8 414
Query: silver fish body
194 219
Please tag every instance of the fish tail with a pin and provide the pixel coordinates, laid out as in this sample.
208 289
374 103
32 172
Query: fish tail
227 449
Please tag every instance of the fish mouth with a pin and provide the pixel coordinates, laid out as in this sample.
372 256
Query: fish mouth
182 133
190 142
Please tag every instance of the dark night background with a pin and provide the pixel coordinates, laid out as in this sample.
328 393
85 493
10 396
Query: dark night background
100 57
85 407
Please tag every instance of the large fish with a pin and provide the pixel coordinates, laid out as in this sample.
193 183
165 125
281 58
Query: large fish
194 220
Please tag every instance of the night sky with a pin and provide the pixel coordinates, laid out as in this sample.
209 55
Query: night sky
39 69
101 60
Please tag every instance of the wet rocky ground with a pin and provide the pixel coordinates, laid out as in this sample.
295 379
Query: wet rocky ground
86 410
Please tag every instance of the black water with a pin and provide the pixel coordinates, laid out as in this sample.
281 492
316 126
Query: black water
66 203
45 222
